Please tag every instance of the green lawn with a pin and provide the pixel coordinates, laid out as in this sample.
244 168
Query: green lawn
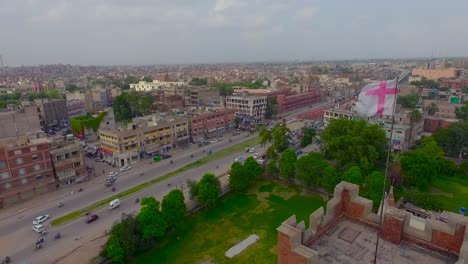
207 235
457 187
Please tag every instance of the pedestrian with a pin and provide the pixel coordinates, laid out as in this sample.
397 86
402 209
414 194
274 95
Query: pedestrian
103 172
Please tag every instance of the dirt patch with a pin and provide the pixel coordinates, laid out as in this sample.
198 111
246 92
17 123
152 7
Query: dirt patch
85 252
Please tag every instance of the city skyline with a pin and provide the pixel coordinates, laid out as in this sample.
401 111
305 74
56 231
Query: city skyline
224 31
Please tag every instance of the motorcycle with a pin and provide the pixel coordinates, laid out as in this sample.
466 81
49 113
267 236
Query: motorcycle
80 189
38 246
6 260
60 205
172 161
191 155
137 200
113 189
58 236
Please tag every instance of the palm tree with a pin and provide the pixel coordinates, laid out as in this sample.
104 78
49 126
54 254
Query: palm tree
415 116
432 109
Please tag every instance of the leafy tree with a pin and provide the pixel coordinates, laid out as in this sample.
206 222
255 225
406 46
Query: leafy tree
426 83
150 218
308 136
408 101
199 81
330 179
462 112
454 139
374 186
129 105
271 107
193 188
432 109
353 175
352 142
310 169
208 190
52 94
124 240
173 208
224 88
97 82
271 153
252 168
281 137
265 135
272 168
71 87
423 200
147 79
464 168
237 121
238 178
286 164
415 117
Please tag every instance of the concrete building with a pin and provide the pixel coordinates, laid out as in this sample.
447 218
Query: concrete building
25 168
52 112
435 74
75 108
67 161
144 137
203 97
346 233
94 100
90 134
211 124
143 86
250 108
20 122
100 99
291 102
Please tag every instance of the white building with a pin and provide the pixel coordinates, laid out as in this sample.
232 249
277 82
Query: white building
143 86
249 106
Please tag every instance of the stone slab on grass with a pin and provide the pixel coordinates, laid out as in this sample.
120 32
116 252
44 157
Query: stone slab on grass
241 246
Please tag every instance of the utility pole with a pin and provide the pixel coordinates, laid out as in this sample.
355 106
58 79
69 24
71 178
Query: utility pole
1 60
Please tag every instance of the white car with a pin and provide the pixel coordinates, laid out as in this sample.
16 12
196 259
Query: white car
38 228
256 156
112 174
125 168
252 150
40 219
260 161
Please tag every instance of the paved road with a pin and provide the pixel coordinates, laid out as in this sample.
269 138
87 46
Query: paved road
17 239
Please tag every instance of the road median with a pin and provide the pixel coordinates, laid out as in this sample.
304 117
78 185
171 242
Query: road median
212 157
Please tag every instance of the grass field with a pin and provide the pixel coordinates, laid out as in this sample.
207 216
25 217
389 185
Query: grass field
207 235
457 190
216 155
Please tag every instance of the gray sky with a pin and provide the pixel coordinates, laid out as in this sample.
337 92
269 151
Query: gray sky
204 31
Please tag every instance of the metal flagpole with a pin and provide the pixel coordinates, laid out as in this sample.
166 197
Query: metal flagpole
381 208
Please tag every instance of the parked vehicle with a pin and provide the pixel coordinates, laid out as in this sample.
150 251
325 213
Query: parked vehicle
112 174
60 205
114 204
40 219
247 150
210 152
58 236
98 160
92 218
125 168
252 150
256 156
260 161
39 228
166 156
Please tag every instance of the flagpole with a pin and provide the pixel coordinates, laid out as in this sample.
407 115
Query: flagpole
381 207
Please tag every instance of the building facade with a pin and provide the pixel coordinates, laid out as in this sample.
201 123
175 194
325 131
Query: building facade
25 169
68 163
249 108
75 108
211 124
143 86
291 102
435 74
52 112
201 97
20 122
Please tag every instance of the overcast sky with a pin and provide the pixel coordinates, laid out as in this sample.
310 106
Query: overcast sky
205 31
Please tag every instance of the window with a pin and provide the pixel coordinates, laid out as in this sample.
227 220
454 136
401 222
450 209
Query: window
24 181
18 152
67 155
3 164
19 161
34 156
7 185
4 175
37 167
38 177
22 171
74 153
32 149
58 157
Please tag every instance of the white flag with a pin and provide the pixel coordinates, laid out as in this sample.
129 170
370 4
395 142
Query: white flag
377 98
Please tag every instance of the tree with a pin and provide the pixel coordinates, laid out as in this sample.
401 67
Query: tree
330 179
265 135
124 240
238 178
193 188
199 81
208 190
352 142
310 168
71 87
432 109
281 137
308 135
129 105
464 168
272 168
271 107
462 112
252 168
408 101
374 186
454 139
150 218
237 121
353 175
147 79
286 164
415 116
173 208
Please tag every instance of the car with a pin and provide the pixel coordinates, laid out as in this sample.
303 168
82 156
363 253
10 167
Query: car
38 228
40 219
257 156
213 141
247 149
92 218
260 161
112 174
166 156
125 168
252 150
98 160
210 151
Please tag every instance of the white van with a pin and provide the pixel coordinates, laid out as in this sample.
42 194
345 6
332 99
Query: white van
114 204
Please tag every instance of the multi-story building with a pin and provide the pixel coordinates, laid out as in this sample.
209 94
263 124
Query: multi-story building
20 122
145 136
75 108
211 124
67 161
291 102
52 112
25 169
143 86
201 97
251 109
100 99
